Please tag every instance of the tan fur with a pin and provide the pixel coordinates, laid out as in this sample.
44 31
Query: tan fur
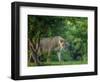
48 44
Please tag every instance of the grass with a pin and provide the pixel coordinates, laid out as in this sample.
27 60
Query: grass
58 63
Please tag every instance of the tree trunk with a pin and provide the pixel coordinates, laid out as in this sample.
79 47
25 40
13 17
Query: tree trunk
34 52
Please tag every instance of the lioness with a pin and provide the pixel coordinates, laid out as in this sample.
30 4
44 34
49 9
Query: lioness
56 43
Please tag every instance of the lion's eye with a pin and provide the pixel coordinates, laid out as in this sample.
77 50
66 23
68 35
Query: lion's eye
61 41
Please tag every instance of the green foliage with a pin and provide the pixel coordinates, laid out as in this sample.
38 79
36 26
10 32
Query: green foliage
72 29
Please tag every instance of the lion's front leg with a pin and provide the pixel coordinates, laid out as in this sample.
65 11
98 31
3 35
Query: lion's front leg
59 56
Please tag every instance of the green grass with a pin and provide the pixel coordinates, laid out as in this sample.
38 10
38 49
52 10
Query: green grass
59 63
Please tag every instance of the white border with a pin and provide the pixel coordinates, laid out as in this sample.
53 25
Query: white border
25 70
